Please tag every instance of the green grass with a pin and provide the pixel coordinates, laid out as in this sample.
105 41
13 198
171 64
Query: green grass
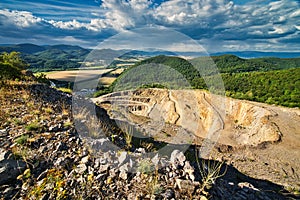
34 126
68 124
22 139
65 90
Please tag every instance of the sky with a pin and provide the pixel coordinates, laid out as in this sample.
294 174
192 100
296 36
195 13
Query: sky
217 25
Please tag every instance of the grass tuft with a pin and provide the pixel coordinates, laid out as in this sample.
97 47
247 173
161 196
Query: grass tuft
22 139
34 126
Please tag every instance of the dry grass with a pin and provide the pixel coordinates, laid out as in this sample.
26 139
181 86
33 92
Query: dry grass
107 81
210 171
128 133
70 76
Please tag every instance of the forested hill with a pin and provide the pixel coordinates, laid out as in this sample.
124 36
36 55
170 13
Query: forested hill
262 80
234 64
63 57
47 58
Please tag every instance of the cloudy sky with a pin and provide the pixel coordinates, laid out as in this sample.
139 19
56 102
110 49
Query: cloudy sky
218 25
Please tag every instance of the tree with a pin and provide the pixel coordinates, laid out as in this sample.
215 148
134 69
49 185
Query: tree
11 65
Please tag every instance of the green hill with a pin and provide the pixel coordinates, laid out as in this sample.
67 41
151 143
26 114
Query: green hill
256 79
47 58
234 64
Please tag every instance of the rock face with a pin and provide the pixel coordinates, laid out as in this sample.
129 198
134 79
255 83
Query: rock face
233 122
9 168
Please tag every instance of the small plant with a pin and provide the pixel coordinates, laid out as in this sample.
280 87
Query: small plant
22 139
35 112
55 180
146 167
48 110
210 171
26 174
22 152
68 124
65 90
150 182
30 104
42 78
64 109
128 133
153 186
34 126
17 121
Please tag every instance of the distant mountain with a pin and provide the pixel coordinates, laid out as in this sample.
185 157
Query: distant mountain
150 53
50 57
259 54
62 57
23 48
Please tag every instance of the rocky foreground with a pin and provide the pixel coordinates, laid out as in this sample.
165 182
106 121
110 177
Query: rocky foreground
42 156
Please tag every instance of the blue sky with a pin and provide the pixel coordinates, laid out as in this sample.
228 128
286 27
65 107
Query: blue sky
218 25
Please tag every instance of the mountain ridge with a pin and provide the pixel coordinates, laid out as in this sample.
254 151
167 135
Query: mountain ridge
241 54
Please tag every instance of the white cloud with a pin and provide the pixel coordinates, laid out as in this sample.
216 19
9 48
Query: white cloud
123 14
214 22
296 13
21 19
71 25
279 30
191 12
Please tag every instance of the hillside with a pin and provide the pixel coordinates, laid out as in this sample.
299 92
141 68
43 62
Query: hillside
257 80
47 58
234 64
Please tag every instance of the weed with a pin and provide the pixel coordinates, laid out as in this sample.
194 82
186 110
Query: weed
48 110
153 186
128 133
55 180
22 139
64 109
65 90
68 124
22 152
30 104
25 96
35 112
210 171
17 121
146 167
150 182
34 126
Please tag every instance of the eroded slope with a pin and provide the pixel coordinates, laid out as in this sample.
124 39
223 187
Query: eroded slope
197 112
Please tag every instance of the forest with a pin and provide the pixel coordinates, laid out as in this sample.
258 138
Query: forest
268 80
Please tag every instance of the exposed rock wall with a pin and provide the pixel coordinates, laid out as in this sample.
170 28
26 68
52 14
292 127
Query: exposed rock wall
236 122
